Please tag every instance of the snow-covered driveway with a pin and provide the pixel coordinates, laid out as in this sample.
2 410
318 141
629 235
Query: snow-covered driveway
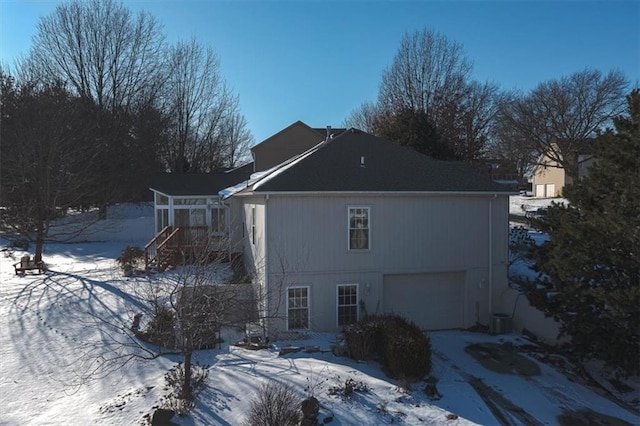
515 398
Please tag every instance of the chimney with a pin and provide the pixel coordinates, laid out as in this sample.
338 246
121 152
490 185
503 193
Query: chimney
328 132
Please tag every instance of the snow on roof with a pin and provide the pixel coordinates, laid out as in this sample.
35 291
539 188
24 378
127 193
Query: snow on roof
285 166
259 178
255 177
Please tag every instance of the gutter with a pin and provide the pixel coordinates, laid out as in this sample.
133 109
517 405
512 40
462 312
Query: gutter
387 193
266 265
228 216
490 239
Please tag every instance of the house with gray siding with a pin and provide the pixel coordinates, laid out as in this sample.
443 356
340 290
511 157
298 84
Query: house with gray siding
357 224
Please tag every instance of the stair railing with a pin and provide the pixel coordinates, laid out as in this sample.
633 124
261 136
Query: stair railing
151 249
166 247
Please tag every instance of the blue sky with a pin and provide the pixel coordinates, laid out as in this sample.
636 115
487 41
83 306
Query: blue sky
316 61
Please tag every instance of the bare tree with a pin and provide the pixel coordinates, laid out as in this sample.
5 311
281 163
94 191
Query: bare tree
178 312
476 114
430 77
509 144
110 58
559 115
428 73
101 51
236 139
363 117
198 101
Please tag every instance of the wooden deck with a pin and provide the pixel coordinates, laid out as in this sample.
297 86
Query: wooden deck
171 247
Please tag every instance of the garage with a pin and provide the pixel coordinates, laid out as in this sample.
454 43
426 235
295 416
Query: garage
433 301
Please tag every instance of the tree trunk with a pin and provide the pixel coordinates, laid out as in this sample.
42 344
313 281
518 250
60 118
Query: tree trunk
186 386
102 211
40 234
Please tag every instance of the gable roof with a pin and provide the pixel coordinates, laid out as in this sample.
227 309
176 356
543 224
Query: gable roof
335 166
204 184
296 124
322 132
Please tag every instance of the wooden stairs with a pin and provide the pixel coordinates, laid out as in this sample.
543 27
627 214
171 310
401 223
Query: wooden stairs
163 251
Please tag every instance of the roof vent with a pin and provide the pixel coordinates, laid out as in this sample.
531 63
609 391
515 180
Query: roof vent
362 162
329 135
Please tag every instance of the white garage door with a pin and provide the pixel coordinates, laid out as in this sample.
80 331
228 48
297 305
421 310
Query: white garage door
540 191
551 190
432 301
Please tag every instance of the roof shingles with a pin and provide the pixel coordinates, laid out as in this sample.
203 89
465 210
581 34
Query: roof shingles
336 166
193 184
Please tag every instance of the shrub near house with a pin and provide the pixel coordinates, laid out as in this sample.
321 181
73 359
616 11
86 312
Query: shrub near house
403 349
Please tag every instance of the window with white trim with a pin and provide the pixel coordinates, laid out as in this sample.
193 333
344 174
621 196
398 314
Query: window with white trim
347 304
359 228
162 219
218 220
298 308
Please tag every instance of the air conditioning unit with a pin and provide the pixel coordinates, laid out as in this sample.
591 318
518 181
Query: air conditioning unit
500 324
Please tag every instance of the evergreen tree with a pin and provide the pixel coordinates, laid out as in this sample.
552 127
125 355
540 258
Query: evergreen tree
591 262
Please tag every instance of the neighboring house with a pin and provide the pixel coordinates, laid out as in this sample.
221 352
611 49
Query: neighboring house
357 224
549 178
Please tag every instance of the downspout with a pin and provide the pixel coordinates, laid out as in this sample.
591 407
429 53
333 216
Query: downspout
228 217
491 255
266 267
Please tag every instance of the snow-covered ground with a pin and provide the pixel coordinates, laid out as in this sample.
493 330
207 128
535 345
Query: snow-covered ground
55 327
520 204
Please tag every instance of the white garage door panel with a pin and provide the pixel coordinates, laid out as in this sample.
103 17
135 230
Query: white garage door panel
432 301
551 190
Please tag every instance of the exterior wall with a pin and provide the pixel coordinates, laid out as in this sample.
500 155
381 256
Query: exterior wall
254 244
409 234
526 316
237 228
280 147
548 173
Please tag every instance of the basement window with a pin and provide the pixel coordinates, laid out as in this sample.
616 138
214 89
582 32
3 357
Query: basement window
347 304
298 308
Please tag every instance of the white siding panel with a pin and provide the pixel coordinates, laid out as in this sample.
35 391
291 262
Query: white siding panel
408 234
432 301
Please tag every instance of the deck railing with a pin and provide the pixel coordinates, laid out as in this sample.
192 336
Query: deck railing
151 249
170 247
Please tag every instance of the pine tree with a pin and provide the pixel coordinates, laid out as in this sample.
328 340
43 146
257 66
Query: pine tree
591 262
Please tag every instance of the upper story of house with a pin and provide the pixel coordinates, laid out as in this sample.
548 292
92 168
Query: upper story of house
287 143
359 202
